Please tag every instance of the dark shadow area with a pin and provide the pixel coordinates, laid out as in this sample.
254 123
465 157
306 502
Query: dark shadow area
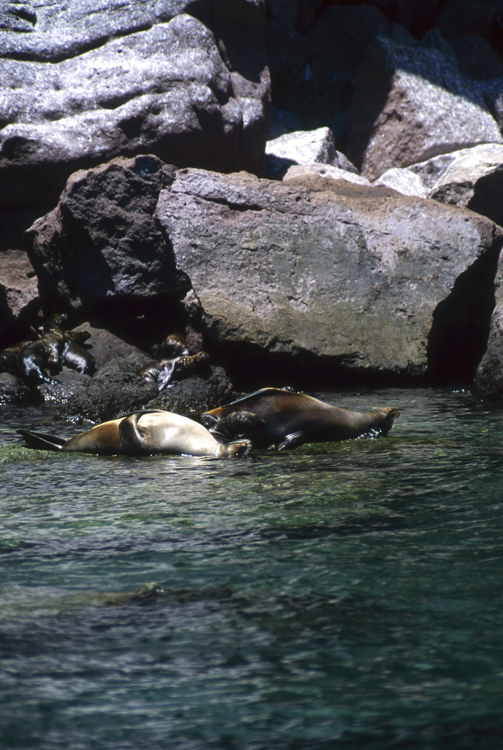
460 329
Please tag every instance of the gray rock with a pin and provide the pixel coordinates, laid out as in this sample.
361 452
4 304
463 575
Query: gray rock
404 181
304 147
102 242
488 381
59 30
357 278
342 34
19 297
323 170
474 180
411 103
493 95
163 90
432 169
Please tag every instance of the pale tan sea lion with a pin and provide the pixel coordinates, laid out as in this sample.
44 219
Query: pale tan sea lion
141 434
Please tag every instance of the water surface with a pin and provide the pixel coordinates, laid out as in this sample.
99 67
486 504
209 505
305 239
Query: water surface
345 595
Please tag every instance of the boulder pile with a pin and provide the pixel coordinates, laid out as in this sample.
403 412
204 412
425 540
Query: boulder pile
310 192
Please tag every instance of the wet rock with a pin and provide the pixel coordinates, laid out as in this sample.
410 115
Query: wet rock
344 279
14 391
411 103
192 396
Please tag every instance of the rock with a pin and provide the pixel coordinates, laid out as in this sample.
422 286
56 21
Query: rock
281 122
476 58
315 146
296 14
59 30
474 180
19 299
303 82
488 381
114 391
342 33
460 17
101 243
196 394
432 169
493 96
411 103
331 277
105 346
404 181
163 90
14 391
323 170
301 147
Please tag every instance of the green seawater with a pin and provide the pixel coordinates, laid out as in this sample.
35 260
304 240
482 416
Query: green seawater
336 596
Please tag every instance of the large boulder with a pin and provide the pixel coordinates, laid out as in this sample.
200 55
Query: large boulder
346 277
82 96
411 103
102 242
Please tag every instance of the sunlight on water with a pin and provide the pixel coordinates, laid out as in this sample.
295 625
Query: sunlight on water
342 595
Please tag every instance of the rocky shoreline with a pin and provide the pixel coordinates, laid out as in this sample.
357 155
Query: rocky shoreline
307 192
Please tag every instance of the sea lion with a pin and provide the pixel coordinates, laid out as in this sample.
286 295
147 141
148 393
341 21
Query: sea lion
140 434
174 345
166 371
286 419
9 355
38 358
76 357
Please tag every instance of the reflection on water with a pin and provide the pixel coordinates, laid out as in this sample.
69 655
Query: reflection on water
343 595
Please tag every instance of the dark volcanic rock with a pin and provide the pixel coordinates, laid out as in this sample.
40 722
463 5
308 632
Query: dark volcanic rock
102 241
195 395
350 278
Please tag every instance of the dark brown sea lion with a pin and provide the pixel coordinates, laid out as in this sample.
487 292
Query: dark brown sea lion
286 419
140 434
174 345
9 355
39 358
167 371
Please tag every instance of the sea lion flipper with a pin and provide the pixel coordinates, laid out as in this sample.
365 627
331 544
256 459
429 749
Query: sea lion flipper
166 375
291 441
42 442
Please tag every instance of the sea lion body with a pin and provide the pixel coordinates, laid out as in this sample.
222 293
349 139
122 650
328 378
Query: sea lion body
76 357
286 419
141 434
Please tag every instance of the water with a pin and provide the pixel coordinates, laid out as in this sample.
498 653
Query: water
346 595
